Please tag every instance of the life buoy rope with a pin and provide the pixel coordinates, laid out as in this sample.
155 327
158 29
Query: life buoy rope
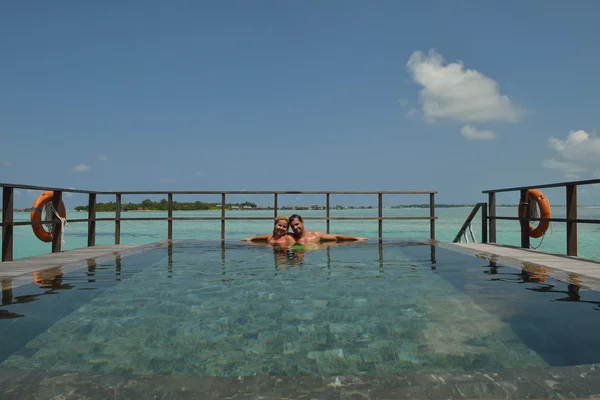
36 216
544 205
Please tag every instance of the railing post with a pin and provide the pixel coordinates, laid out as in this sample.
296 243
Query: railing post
327 211
56 225
118 219
432 215
7 223
524 205
484 227
222 216
91 219
170 216
275 206
492 216
571 214
380 214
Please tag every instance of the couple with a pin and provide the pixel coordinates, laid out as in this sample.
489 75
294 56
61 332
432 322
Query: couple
282 237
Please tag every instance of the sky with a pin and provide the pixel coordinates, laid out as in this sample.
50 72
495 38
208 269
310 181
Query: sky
452 96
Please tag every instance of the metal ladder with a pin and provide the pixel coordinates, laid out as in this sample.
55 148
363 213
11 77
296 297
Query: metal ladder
462 233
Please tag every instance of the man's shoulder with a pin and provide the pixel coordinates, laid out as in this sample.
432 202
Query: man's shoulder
314 234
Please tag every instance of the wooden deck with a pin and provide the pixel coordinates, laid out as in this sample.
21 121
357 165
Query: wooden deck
13 269
558 266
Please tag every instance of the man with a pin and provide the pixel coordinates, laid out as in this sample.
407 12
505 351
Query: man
303 236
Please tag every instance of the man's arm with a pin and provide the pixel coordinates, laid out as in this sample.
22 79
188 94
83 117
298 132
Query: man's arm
326 237
351 238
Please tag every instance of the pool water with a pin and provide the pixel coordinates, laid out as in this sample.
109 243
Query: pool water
205 309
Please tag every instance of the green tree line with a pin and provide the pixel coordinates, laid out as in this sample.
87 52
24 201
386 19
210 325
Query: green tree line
446 205
163 205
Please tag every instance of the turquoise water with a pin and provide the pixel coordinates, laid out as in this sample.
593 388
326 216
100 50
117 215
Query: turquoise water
449 222
202 309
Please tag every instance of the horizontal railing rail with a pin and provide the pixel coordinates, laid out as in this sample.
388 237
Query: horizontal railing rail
571 219
8 223
544 186
159 192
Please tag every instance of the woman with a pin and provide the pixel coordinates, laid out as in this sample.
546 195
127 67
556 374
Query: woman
280 235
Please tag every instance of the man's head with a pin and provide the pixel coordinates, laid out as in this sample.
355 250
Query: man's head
297 224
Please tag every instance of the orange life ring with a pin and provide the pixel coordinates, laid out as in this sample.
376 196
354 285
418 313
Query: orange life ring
36 215
544 205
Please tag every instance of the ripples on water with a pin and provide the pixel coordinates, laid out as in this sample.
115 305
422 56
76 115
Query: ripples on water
199 308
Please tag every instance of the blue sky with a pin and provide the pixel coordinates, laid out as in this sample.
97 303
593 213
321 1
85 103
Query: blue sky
457 96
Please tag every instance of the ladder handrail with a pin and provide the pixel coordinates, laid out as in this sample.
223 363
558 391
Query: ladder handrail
467 223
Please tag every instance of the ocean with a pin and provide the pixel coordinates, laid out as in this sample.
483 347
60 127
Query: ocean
447 225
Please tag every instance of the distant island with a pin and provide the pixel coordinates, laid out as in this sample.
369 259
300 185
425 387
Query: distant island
163 205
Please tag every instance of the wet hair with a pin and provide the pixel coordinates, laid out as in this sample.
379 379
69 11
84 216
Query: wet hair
294 216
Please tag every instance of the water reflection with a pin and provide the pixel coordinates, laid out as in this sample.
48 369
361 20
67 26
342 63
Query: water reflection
118 267
538 274
285 257
91 264
50 281
49 278
170 260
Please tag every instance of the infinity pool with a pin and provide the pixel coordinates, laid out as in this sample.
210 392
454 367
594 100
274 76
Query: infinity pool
206 309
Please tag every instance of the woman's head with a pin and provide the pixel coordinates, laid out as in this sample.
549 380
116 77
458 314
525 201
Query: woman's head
281 225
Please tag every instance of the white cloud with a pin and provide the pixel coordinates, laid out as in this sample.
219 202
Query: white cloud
469 132
567 167
102 157
578 146
81 168
7 163
451 92
18 193
577 154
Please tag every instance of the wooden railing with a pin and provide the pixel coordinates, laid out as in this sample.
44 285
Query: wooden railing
571 212
8 223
